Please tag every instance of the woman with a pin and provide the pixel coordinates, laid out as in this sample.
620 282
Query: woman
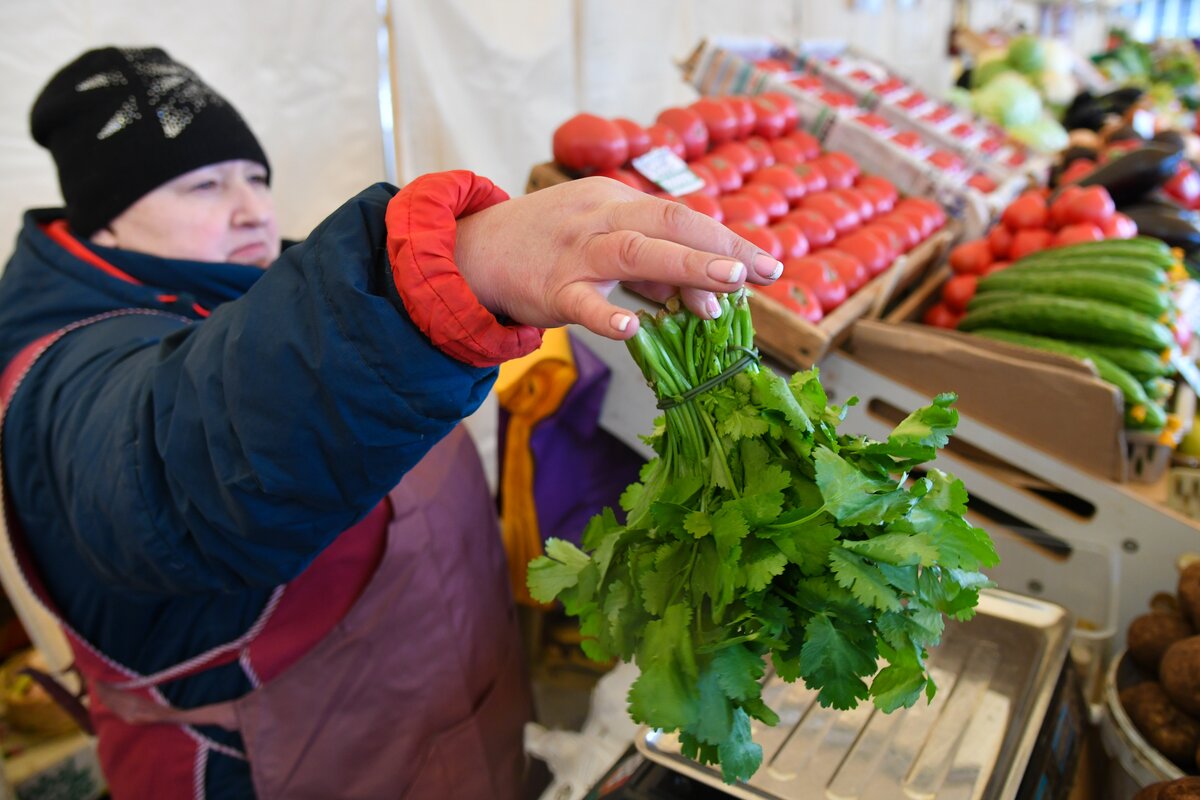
243 491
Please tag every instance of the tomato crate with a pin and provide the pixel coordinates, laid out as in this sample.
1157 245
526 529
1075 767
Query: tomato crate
781 333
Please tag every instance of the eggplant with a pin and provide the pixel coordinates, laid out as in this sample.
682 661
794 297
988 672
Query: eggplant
1125 133
1175 229
1118 101
1075 152
1170 140
1131 176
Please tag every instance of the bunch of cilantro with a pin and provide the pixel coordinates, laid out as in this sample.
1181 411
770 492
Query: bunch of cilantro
760 532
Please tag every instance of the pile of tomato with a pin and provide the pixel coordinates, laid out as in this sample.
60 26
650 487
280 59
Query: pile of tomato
1036 220
833 227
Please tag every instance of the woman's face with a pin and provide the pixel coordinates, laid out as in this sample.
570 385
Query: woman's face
222 212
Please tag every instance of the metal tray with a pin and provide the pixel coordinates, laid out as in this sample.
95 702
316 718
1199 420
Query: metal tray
995 676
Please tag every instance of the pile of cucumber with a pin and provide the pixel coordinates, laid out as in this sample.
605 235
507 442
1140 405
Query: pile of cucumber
1106 302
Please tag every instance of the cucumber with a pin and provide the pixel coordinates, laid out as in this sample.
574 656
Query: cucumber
1158 388
1068 318
1145 365
1141 412
1111 288
1109 265
983 299
1152 250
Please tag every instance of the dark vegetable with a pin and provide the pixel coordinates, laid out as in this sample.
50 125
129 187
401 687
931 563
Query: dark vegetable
1189 592
1130 177
1172 140
1187 788
1176 229
1125 133
1151 634
1179 673
1167 729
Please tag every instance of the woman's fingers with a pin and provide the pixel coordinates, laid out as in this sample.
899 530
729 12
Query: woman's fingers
632 256
589 308
666 220
699 301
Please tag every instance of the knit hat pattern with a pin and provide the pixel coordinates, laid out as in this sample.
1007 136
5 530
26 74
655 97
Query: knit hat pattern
120 122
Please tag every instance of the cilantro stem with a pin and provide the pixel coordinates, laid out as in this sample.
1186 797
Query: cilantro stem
783 526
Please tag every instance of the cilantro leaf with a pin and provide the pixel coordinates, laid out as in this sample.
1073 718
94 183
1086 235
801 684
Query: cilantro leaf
853 498
743 423
761 562
898 549
806 546
864 580
714 719
740 755
551 574
738 670
771 394
833 661
919 435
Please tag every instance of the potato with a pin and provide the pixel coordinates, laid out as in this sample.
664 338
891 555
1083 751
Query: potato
1167 729
1165 603
1189 592
1151 634
1181 789
1179 674
1151 792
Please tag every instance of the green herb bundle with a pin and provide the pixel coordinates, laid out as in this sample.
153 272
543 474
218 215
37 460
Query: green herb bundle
760 531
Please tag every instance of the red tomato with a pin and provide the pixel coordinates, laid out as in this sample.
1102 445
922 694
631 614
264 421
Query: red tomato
834 209
939 316
794 296
792 238
705 204
1026 212
760 237
586 143
924 223
816 229
936 214
628 177
770 121
1028 241
877 186
895 241
814 179
971 258
786 106
845 163
763 154
874 122
858 201
729 177
820 277
852 271
958 291
690 127
773 65
1058 209
909 233
870 250
770 198
738 154
783 179
744 110
808 144
705 173
982 183
881 200
786 152
718 117
635 136
1120 227
999 241
1079 167
1092 204
662 136
996 266
739 207
1074 234
807 83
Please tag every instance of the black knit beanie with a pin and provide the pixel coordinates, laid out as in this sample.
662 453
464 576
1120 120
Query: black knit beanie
120 122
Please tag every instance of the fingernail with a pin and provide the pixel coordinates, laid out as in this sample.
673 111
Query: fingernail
714 308
767 267
728 271
621 322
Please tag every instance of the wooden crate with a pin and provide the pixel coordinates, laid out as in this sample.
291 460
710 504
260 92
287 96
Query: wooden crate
798 344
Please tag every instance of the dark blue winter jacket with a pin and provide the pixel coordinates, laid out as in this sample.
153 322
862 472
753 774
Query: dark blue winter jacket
168 472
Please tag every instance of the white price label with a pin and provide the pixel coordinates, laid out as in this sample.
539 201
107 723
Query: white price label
663 168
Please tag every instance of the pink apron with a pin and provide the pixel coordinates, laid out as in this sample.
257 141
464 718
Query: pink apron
417 691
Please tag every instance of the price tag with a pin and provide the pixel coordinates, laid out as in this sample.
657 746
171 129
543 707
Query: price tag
663 168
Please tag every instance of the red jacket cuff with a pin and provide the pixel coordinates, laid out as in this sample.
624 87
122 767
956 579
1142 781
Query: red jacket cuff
421 230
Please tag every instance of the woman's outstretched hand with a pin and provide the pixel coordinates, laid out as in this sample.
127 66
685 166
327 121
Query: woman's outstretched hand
551 257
